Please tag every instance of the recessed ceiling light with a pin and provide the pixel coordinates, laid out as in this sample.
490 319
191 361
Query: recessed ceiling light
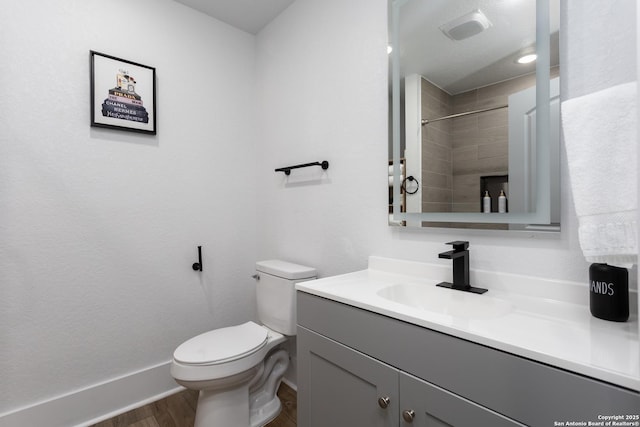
527 59
389 48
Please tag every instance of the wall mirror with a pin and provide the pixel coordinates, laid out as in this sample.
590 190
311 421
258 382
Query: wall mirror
474 104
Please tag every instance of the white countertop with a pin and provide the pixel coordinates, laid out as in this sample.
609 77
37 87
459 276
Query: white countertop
543 320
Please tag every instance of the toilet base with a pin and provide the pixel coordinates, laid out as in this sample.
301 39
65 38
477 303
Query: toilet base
266 413
224 402
246 399
264 401
228 408
232 408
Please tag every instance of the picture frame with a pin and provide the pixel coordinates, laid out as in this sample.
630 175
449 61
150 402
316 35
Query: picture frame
123 94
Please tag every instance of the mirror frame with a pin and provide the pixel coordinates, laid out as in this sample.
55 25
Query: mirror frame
542 214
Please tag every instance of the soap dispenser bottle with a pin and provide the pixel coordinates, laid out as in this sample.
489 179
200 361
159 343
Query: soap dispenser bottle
609 292
486 202
502 202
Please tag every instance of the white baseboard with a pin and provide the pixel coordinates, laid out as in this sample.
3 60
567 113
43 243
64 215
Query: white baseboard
290 384
97 402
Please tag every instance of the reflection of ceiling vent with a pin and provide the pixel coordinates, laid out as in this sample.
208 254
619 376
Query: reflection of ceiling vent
466 26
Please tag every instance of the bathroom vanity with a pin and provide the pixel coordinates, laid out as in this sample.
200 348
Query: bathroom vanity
386 347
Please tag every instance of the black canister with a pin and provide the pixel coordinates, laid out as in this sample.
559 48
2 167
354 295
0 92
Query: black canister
609 292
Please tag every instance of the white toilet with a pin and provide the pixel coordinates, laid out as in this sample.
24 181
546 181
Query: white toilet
238 369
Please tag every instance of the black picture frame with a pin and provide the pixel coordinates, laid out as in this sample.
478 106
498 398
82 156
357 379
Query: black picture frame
123 94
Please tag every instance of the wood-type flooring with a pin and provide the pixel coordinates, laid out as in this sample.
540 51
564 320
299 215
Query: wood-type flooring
179 410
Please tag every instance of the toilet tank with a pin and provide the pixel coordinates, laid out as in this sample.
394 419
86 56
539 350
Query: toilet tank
276 293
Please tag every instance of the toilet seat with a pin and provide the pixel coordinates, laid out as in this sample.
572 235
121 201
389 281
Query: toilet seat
222 345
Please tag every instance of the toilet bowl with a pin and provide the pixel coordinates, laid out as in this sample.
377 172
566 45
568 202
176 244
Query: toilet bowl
238 369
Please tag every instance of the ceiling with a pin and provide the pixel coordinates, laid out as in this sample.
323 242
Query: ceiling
486 58
248 15
453 66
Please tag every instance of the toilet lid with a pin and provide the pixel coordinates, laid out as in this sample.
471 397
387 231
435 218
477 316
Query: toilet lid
222 345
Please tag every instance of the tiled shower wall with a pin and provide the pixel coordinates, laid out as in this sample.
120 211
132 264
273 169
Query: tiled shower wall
457 152
437 167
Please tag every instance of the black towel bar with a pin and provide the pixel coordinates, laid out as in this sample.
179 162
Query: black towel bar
287 170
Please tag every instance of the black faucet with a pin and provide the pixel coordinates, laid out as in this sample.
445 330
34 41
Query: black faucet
460 257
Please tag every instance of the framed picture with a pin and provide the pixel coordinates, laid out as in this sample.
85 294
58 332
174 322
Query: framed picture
123 94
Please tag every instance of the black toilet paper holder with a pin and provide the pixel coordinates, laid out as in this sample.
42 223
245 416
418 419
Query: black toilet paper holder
197 266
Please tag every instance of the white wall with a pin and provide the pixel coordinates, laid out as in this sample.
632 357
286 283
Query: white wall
322 87
99 228
599 44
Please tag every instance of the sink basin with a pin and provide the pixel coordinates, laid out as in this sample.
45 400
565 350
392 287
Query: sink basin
446 301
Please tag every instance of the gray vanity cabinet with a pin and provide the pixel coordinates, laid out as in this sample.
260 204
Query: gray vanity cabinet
341 387
350 358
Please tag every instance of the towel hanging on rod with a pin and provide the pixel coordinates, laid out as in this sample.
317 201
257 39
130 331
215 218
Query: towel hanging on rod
287 169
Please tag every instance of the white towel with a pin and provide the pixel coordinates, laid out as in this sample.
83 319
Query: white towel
391 180
394 221
391 169
600 134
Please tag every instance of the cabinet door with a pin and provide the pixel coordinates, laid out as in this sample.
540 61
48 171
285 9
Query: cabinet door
432 406
340 387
